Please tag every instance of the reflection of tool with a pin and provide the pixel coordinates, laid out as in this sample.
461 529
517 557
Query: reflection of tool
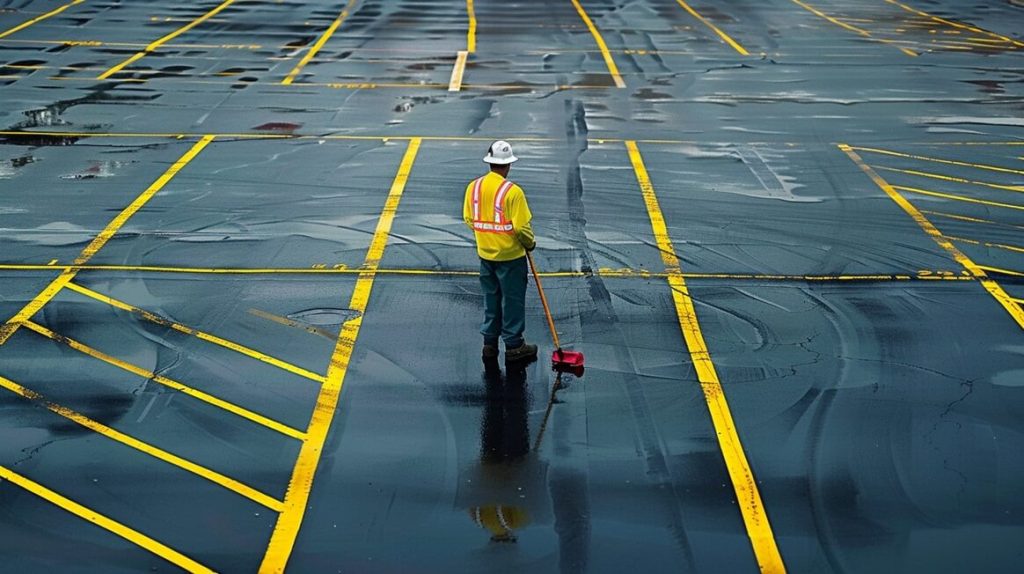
560 360
501 520
547 411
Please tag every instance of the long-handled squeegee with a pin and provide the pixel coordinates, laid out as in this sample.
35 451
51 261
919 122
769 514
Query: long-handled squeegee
561 360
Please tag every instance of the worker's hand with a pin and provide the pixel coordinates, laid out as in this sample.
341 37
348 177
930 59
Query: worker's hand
530 247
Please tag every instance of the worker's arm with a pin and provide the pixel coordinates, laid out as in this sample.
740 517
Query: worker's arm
519 213
467 207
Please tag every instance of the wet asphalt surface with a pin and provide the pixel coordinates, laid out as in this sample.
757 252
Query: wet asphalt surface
880 413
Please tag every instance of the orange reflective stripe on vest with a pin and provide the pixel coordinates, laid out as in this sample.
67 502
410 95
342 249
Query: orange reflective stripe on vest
500 223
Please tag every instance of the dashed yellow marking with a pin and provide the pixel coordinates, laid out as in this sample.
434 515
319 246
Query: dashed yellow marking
39 18
973 268
939 176
755 517
455 83
219 341
321 41
608 60
939 160
98 242
471 30
153 46
296 499
728 40
158 453
108 524
853 28
1003 246
955 197
970 219
169 383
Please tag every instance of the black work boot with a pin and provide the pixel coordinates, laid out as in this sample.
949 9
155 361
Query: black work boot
525 352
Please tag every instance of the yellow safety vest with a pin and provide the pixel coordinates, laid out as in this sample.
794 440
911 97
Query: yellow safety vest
497 212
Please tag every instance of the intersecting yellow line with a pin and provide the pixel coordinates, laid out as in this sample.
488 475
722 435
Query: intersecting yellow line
169 383
295 501
108 524
608 60
55 286
155 452
938 160
39 18
755 516
728 39
955 197
942 177
993 288
321 41
957 24
153 46
853 28
154 318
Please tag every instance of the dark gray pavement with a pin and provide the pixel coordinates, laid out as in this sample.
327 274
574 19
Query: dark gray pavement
260 350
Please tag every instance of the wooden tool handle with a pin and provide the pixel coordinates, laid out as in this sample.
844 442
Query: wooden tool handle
543 301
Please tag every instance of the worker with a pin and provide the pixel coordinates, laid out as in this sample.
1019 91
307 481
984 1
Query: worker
497 212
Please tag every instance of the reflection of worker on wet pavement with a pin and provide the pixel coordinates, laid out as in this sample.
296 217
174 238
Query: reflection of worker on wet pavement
497 212
512 488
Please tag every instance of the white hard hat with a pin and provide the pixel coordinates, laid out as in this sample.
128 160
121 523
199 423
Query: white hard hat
500 153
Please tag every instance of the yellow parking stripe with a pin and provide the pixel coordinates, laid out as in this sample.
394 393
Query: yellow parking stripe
755 516
297 497
118 436
735 45
608 60
955 197
169 383
108 524
154 318
973 268
938 160
319 43
160 42
471 31
606 273
39 18
455 82
939 176
98 242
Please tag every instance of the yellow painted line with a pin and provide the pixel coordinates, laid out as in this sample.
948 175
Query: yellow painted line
958 197
169 383
606 273
297 497
219 341
608 60
98 44
39 18
455 83
98 242
748 497
970 219
957 24
939 160
852 28
1002 271
1004 246
108 524
728 40
118 436
160 42
319 43
973 268
471 30
939 176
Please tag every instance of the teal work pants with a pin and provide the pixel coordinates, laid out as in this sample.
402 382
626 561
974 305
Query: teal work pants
504 287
